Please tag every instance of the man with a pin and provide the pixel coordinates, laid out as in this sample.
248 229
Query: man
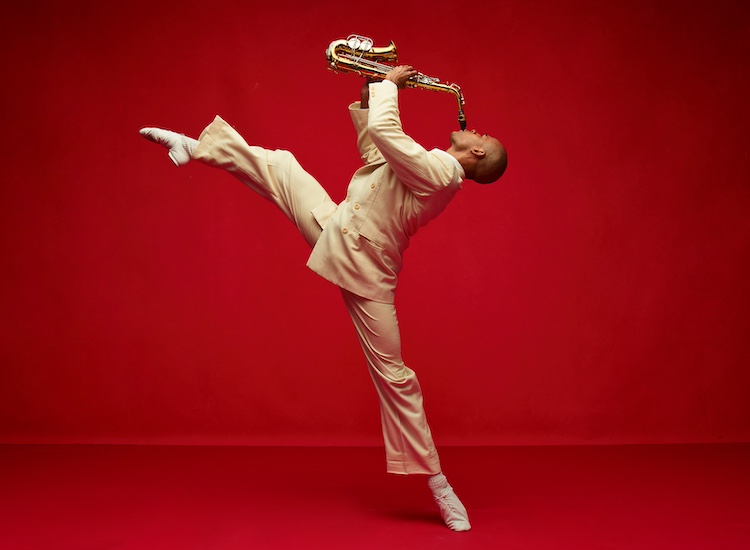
358 244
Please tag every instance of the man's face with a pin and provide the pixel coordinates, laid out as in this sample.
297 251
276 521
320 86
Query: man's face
467 139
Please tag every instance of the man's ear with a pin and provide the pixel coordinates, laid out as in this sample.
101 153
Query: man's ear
477 152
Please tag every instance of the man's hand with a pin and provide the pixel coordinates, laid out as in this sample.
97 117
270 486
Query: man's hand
399 75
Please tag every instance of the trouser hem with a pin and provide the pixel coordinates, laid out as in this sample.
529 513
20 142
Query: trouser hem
405 468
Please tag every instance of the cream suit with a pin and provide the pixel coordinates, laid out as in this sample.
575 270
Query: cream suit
358 244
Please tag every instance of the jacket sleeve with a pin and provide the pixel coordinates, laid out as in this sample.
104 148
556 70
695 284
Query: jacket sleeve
368 152
422 172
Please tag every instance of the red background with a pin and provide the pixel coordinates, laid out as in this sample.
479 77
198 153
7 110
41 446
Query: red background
599 294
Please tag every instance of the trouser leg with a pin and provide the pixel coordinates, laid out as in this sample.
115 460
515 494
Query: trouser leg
408 441
274 175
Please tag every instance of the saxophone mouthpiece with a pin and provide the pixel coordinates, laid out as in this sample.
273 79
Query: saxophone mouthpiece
462 120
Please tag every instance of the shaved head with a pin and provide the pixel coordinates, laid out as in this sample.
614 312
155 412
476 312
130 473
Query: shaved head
492 166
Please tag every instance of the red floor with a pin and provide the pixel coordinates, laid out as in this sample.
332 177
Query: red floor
111 497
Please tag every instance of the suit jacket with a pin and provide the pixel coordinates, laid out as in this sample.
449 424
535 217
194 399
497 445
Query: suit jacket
401 187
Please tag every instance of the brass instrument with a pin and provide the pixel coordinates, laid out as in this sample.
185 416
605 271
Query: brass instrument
358 55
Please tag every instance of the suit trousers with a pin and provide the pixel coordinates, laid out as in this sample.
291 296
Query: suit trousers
279 178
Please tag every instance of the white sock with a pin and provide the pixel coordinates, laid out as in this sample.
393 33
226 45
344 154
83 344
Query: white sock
180 147
453 511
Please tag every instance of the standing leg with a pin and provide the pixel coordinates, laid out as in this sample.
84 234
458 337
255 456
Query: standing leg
408 442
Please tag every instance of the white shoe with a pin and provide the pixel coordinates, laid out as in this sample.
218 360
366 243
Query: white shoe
180 147
451 508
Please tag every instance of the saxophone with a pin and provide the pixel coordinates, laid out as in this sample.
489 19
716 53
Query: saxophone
358 55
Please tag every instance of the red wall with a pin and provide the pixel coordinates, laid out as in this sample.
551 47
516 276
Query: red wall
599 294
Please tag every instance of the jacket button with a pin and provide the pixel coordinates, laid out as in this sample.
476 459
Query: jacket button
345 231
356 207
